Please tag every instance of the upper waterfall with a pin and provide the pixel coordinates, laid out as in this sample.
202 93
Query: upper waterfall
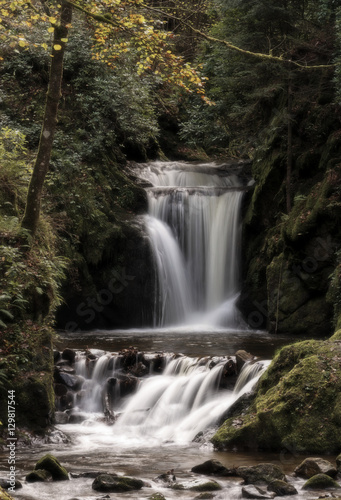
195 232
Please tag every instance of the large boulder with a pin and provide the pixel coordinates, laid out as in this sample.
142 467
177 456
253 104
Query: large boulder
211 467
282 488
39 475
260 474
297 406
320 482
51 464
116 484
312 466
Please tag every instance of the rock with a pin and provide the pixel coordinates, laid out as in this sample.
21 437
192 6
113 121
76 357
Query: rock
312 466
320 482
5 484
56 356
197 485
61 417
303 381
89 474
260 474
338 462
252 491
39 475
212 467
157 496
239 407
74 382
77 417
69 354
281 488
242 357
51 464
115 484
204 496
60 390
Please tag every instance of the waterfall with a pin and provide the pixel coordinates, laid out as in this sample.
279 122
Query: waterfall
195 233
189 396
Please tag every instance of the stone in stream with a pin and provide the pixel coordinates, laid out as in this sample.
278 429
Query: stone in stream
282 488
338 462
312 466
197 485
60 417
213 467
112 483
39 475
69 355
243 357
6 483
260 474
51 464
320 482
252 491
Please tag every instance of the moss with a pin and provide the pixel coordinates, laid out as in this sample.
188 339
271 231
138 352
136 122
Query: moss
207 486
297 403
320 482
39 475
50 464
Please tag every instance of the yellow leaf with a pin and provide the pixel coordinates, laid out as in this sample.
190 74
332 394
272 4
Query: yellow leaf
57 47
52 20
44 45
50 29
22 43
64 40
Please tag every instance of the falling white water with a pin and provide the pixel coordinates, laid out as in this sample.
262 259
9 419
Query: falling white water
194 228
187 398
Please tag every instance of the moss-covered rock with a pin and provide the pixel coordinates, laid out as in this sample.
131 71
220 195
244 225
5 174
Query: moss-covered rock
260 474
112 483
320 482
312 466
39 475
51 464
282 488
298 403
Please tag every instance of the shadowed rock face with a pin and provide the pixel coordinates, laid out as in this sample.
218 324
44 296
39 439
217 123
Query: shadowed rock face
297 406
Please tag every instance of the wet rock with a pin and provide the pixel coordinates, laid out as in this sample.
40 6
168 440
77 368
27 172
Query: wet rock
312 466
320 482
61 417
127 384
115 484
282 488
260 474
74 382
5 484
77 417
69 355
198 485
212 467
139 370
243 357
51 464
239 407
252 491
60 390
157 496
204 496
338 462
158 363
56 356
39 475
66 402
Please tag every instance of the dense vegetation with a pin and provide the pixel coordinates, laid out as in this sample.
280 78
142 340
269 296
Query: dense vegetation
281 114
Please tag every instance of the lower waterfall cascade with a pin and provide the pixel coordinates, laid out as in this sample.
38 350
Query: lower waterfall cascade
195 233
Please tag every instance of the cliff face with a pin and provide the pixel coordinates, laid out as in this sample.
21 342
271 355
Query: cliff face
291 260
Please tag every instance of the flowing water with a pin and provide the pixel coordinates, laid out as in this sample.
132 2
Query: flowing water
146 425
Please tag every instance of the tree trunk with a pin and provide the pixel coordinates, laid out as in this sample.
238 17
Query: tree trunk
41 165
